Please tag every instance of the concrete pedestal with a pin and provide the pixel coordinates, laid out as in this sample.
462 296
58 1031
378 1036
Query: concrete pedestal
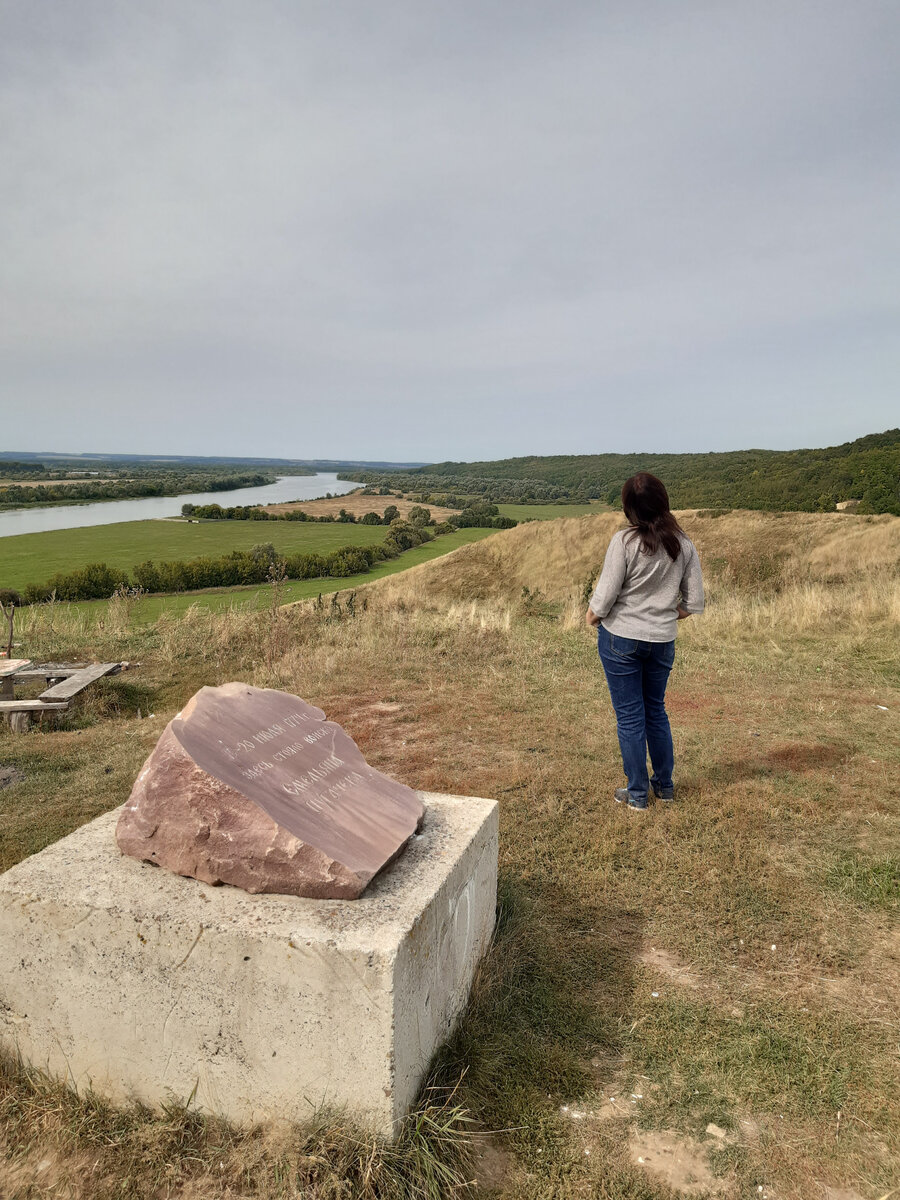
143 984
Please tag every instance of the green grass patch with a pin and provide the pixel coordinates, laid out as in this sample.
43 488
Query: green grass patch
873 882
774 1059
36 557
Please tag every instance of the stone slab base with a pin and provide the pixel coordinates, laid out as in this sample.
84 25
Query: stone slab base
142 984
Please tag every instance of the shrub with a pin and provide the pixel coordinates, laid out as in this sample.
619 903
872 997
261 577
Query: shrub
305 566
347 562
146 576
481 516
96 581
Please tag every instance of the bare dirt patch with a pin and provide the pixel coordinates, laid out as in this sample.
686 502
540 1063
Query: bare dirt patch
801 756
47 1172
492 1167
359 505
677 1160
680 704
667 964
10 775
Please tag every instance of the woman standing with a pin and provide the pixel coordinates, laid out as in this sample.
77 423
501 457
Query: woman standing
650 581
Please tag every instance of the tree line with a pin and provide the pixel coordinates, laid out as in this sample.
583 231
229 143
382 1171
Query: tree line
169 484
254 512
461 490
474 515
10 467
866 470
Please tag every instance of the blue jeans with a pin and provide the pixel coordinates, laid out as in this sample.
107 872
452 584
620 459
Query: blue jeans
637 674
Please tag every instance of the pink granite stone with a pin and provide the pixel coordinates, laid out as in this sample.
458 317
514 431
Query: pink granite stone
254 788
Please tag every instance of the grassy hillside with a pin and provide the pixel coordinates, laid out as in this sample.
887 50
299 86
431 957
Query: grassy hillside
867 470
35 557
731 960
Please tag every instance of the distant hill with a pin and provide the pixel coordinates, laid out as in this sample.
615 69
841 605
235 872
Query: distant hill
866 470
30 457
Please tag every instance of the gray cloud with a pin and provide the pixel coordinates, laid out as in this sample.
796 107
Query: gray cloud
447 230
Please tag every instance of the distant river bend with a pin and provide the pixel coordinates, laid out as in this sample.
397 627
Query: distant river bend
113 512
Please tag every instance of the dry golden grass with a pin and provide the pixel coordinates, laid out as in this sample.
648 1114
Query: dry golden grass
359 505
62 1145
634 954
742 549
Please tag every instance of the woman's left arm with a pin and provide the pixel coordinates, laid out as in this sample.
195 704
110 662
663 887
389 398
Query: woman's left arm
692 598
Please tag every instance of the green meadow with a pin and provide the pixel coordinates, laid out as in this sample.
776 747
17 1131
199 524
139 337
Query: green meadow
36 557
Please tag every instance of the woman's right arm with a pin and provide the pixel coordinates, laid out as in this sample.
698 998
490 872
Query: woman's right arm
610 582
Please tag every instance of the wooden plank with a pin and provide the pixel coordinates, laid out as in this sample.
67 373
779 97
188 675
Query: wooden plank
79 681
58 668
32 706
9 666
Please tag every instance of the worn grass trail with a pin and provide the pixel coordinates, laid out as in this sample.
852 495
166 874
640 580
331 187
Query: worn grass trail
731 961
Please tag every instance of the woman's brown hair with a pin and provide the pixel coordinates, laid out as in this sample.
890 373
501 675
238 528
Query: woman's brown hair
646 504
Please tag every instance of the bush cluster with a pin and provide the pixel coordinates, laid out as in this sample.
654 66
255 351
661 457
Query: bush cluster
98 581
250 512
475 515
481 516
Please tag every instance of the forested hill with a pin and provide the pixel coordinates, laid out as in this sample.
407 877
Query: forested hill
867 470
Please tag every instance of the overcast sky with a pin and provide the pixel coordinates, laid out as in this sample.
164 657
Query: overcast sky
452 229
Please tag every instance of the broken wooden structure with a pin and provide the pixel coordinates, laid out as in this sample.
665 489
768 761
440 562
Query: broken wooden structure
64 682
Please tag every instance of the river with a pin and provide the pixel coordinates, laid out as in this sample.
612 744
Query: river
112 512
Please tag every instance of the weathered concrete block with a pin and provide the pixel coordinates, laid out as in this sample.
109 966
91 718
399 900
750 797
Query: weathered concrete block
144 984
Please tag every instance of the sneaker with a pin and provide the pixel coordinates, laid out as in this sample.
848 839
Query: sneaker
667 794
623 796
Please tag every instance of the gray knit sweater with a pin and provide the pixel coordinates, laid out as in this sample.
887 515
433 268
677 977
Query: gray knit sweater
637 594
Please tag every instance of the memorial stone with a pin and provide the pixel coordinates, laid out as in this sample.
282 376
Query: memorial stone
254 787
